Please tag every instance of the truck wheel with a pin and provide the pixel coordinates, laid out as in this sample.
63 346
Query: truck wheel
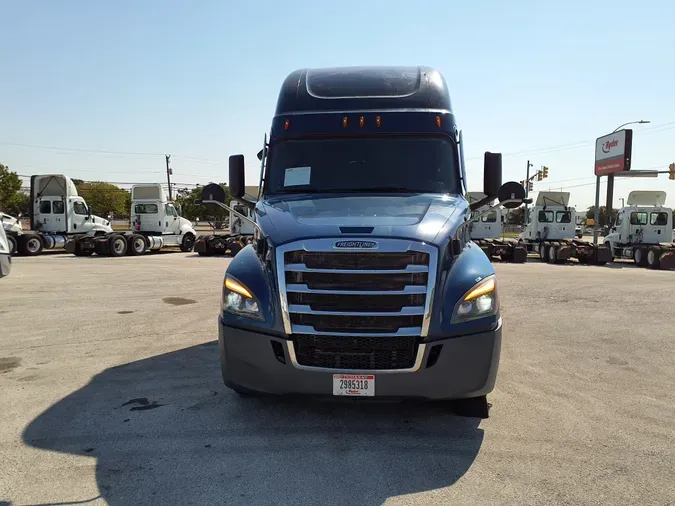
476 407
654 257
553 254
136 245
543 252
13 247
118 246
31 245
640 257
188 243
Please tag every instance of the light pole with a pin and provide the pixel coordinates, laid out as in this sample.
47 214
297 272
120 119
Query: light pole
610 188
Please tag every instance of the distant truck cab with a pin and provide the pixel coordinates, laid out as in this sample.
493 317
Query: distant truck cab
551 230
155 224
643 231
362 279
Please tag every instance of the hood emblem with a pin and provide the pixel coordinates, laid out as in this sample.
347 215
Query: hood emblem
356 245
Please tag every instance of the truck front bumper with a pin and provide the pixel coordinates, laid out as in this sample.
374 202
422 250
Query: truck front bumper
466 367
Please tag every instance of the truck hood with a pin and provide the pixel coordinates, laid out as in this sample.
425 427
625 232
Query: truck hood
426 217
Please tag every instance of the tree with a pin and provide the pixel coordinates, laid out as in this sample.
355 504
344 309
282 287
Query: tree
604 219
186 198
105 198
12 200
516 216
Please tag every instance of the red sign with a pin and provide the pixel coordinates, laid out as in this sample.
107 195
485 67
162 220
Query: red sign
613 152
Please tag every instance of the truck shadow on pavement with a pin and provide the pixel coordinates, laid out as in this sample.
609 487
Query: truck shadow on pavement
164 430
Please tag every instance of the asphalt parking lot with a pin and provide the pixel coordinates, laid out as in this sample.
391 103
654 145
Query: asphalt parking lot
110 392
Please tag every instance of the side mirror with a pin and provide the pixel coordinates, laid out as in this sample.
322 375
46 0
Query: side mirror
237 176
261 152
89 212
180 210
511 195
492 174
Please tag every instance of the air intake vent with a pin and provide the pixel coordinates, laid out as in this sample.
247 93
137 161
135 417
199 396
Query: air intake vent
357 230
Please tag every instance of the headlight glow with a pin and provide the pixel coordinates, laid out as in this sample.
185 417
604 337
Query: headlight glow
239 300
480 301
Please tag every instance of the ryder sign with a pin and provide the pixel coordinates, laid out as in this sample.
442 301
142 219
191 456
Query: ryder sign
613 152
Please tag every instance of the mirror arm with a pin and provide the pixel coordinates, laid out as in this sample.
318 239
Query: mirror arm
480 203
220 204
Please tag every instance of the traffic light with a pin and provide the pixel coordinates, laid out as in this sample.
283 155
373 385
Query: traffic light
671 168
544 170
539 175
530 186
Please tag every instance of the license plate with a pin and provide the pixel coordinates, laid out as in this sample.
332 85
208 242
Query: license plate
354 385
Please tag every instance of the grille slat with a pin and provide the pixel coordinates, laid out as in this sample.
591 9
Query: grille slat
332 281
347 323
357 261
356 303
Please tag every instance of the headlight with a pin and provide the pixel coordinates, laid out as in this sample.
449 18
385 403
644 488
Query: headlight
239 300
479 302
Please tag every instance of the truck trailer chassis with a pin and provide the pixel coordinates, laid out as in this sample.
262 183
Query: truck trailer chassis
506 251
560 251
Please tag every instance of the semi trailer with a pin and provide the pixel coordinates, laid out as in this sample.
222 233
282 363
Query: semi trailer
57 214
643 231
551 229
362 279
486 232
155 224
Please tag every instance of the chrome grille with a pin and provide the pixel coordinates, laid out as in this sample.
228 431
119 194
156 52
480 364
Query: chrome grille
359 309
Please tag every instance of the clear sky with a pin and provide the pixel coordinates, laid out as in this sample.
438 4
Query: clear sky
535 80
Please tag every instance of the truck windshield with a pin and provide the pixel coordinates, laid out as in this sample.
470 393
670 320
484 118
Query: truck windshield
405 164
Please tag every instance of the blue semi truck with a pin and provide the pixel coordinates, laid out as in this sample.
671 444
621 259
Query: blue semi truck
362 279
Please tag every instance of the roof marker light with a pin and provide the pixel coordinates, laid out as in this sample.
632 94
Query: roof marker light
287 124
361 121
344 122
438 121
377 121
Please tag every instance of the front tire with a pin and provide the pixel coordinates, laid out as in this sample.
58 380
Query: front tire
188 243
474 407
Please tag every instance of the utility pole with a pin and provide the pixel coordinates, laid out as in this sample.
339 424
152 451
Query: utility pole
527 185
168 174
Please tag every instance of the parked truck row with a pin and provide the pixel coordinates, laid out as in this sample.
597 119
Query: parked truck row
60 219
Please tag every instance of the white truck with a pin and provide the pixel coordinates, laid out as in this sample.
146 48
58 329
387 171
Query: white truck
154 222
5 255
643 231
551 229
241 231
486 232
57 215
